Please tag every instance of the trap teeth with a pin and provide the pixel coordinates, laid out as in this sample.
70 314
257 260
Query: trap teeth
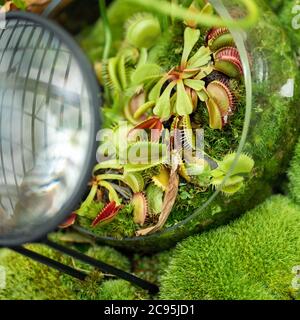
218 38
220 104
222 95
228 61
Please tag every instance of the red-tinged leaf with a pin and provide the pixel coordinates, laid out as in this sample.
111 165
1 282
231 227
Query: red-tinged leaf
108 213
153 124
70 222
147 124
156 131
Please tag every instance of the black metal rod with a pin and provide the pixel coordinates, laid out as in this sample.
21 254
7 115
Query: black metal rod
152 288
50 263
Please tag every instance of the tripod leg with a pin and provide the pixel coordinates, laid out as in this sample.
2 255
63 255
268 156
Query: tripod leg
152 288
50 263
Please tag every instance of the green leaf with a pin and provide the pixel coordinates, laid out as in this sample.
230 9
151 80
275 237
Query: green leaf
90 211
135 181
196 85
140 167
184 105
156 90
189 73
191 36
231 186
244 164
113 65
204 72
154 196
90 197
202 95
112 194
143 109
109 164
145 73
207 9
163 105
201 58
122 73
21 4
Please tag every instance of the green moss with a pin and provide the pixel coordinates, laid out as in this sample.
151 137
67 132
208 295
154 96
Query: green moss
251 258
153 267
287 18
27 279
118 290
275 4
294 175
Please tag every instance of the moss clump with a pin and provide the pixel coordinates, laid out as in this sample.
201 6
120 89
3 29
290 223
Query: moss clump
27 279
290 20
275 4
251 258
152 267
118 290
294 175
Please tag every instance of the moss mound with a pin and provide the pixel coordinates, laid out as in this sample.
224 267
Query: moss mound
294 175
251 258
275 4
28 280
289 16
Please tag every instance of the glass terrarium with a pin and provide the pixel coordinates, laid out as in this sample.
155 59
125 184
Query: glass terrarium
210 93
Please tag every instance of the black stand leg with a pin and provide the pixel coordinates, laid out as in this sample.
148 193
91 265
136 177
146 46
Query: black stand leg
152 288
49 262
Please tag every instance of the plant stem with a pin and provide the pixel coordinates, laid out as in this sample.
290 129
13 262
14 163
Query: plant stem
107 30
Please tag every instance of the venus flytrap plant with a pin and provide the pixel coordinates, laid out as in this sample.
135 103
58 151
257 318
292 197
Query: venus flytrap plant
159 148
182 78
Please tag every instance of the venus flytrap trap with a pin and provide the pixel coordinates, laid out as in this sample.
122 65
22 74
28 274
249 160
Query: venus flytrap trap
235 181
